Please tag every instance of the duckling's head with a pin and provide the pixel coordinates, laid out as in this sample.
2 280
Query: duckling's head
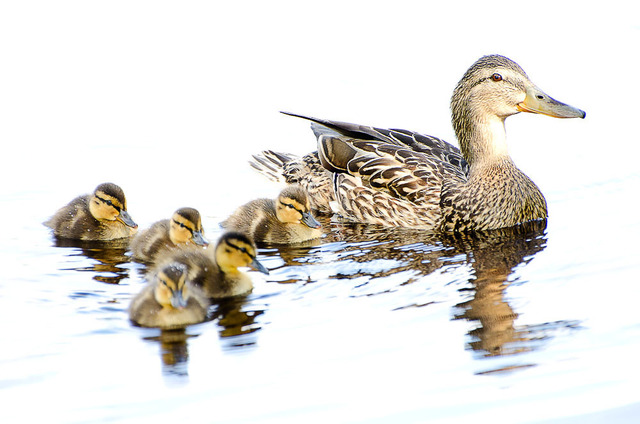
172 290
185 227
236 250
109 204
293 207
494 88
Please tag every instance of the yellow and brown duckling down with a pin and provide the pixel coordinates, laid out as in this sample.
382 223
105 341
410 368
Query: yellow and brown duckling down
169 300
184 228
285 220
216 271
402 178
101 215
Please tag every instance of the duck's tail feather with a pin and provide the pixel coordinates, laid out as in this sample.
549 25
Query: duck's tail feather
272 164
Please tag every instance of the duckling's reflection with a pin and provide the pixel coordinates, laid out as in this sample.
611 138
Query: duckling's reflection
174 351
238 326
109 255
493 256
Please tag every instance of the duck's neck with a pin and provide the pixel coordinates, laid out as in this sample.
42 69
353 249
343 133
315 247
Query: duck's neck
482 137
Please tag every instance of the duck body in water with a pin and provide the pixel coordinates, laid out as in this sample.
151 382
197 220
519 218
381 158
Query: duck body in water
402 178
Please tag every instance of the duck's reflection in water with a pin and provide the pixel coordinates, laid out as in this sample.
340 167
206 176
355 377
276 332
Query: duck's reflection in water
236 319
108 257
174 351
366 254
493 257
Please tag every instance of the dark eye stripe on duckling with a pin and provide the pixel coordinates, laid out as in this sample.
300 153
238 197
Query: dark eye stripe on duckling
242 249
288 205
183 226
108 202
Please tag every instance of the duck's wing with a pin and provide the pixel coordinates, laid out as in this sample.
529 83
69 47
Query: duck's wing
432 146
381 183
388 177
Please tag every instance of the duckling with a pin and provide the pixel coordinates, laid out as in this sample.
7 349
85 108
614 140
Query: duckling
99 216
284 220
184 227
402 178
217 273
169 300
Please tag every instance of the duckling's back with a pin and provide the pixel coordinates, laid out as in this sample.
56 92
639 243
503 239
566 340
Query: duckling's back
204 272
75 221
259 221
148 243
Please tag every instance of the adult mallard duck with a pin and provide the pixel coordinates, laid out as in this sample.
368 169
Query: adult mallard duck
217 273
285 220
184 227
402 178
169 300
101 215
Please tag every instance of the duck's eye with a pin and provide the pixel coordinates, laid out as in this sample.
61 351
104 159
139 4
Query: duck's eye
496 77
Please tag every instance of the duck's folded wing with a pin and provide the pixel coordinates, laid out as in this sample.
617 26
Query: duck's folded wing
383 183
414 141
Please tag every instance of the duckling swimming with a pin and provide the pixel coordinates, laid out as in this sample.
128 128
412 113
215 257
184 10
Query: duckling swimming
169 300
184 227
284 220
216 272
99 216
403 178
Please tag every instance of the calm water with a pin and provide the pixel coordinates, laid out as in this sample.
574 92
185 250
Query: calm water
368 325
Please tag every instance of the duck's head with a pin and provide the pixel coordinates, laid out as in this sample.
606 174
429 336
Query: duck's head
172 290
494 88
293 207
186 227
496 85
109 204
235 250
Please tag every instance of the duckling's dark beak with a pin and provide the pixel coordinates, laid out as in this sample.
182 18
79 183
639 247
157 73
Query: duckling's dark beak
126 219
177 300
198 239
537 101
310 221
258 267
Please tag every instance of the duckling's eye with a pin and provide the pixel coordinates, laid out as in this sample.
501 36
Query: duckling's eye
109 202
240 248
290 206
180 224
496 77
